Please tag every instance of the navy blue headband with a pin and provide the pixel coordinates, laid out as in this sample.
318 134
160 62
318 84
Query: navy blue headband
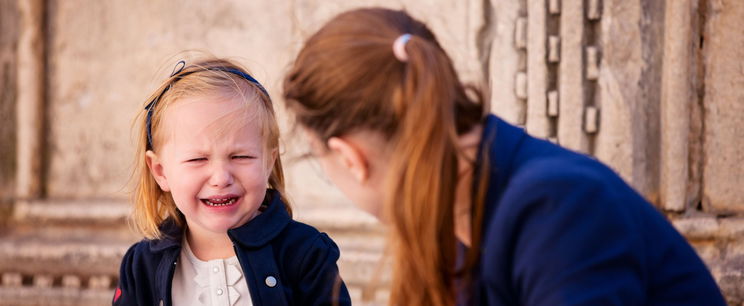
176 70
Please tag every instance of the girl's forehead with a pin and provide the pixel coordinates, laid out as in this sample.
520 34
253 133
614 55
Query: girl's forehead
197 120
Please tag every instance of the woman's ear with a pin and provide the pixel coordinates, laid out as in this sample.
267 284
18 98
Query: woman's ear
350 157
156 169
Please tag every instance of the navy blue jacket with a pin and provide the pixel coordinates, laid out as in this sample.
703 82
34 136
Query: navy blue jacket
302 260
560 228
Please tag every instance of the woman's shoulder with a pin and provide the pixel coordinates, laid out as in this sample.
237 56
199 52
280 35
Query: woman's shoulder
566 186
564 168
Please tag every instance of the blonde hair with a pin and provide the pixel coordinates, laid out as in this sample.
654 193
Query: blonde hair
153 206
347 78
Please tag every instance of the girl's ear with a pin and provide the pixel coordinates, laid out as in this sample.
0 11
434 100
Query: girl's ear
350 157
156 169
271 162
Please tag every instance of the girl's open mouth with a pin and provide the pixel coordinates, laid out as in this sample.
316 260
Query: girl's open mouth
220 201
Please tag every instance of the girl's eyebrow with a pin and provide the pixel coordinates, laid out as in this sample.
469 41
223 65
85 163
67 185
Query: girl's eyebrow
191 152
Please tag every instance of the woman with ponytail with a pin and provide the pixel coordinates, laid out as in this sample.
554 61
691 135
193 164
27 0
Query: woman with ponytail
479 212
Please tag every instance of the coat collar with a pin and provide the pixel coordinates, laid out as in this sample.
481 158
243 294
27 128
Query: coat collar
500 143
264 227
254 233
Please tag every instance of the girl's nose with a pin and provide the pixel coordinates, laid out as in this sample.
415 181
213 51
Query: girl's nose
221 176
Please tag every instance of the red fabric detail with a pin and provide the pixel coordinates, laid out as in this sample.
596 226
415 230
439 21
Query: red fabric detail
117 295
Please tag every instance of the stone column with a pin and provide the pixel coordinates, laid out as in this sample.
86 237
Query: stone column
723 52
8 39
30 99
676 96
537 70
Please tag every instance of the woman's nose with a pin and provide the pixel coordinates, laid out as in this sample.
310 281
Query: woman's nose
221 175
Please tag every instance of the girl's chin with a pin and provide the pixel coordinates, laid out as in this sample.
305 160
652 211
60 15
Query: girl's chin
222 225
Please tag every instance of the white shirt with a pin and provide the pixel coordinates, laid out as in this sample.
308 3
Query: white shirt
218 282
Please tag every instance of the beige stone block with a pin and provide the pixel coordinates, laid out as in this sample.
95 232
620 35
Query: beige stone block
731 275
10 25
591 119
99 282
592 63
553 104
520 33
30 100
732 228
723 175
537 70
554 49
520 85
554 7
627 139
71 281
571 85
676 98
593 11
506 85
43 281
12 279
698 228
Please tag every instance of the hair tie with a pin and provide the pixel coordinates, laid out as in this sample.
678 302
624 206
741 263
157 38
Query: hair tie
399 47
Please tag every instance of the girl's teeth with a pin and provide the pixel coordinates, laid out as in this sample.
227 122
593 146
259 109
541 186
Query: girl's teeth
229 202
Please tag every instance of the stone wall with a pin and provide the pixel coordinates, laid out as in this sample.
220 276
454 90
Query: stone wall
8 40
653 88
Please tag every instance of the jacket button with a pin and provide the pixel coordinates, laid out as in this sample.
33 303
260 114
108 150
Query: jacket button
270 281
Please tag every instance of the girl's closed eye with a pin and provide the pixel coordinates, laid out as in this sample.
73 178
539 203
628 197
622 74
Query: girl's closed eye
197 159
243 157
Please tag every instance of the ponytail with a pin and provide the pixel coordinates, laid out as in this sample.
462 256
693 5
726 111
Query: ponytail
348 77
424 171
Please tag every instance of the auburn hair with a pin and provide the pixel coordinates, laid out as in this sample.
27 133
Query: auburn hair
346 78
153 206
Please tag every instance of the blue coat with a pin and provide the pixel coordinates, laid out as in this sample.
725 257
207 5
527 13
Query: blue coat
301 259
560 228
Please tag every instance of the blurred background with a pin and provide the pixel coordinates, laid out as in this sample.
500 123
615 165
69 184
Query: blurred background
653 88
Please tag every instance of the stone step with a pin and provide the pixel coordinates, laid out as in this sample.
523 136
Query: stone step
77 212
38 296
31 255
51 248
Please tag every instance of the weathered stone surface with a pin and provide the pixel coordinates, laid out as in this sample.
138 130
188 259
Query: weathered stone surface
106 212
710 228
628 81
105 59
507 37
723 175
537 70
30 100
30 296
571 85
9 26
731 275
621 65
698 228
677 95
